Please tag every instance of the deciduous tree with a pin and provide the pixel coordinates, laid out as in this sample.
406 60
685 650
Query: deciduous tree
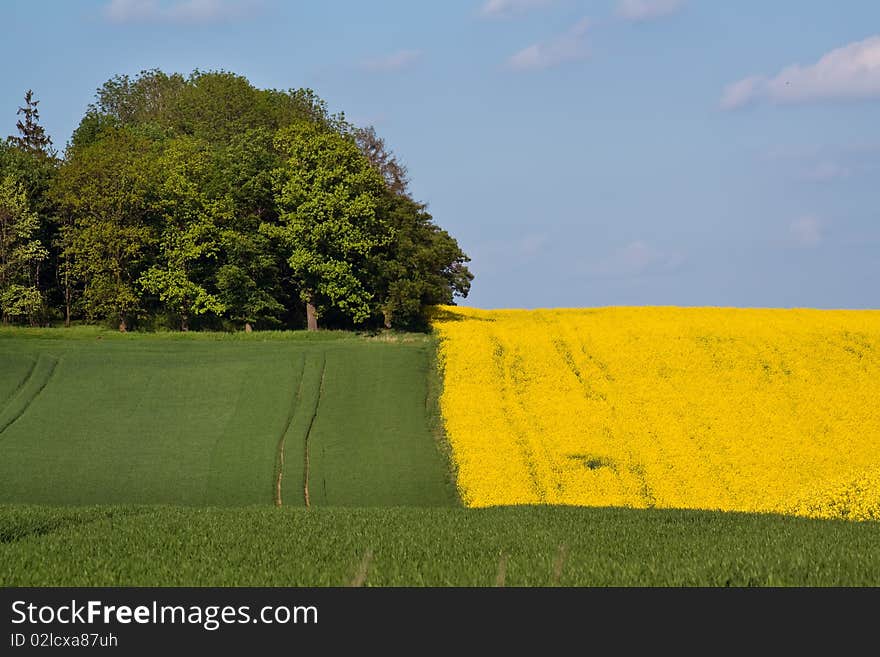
21 254
328 195
189 237
109 190
421 266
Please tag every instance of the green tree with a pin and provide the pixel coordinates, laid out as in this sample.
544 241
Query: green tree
422 266
216 106
146 99
328 194
190 220
32 138
250 280
245 301
64 253
21 254
108 191
31 160
207 200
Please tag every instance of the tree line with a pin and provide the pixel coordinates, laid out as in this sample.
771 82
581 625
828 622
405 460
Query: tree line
201 201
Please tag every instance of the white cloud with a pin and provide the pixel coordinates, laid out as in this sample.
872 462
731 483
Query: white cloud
567 47
848 73
738 94
826 171
396 61
179 11
503 8
637 259
645 10
806 231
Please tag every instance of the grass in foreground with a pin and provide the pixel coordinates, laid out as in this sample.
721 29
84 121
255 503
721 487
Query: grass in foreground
141 419
516 546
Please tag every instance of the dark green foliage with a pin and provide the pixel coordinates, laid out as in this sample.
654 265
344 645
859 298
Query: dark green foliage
32 137
541 546
422 266
28 164
203 201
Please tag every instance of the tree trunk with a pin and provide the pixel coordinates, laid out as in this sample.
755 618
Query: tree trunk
66 294
123 327
36 283
66 306
311 317
184 321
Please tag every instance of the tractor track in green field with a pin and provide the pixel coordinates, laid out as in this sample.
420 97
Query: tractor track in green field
306 498
20 385
289 425
28 391
363 570
280 457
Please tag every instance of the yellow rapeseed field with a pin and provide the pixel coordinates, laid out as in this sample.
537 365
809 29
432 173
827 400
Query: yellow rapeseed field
702 408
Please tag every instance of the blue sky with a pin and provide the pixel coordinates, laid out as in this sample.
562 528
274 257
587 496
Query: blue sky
584 153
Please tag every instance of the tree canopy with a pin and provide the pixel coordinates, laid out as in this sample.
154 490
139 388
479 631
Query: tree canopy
201 201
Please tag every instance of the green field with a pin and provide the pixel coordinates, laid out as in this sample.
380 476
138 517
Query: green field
206 421
529 546
161 460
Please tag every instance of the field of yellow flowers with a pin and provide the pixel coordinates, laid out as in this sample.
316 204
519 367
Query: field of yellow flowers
702 408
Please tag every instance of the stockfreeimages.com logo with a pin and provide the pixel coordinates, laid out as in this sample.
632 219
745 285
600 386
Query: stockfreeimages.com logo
210 617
